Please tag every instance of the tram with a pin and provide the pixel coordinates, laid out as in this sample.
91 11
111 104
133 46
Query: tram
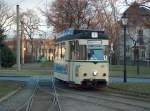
81 57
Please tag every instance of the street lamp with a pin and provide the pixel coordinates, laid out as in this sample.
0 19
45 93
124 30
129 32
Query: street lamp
124 23
0 56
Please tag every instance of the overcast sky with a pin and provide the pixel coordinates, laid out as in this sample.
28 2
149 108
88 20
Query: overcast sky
31 4
28 4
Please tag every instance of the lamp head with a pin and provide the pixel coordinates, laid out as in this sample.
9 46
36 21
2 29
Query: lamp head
124 19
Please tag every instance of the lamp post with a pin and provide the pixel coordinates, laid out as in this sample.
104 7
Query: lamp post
0 57
124 23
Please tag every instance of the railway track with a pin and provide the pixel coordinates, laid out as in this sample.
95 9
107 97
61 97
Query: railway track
109 100
56 103
43 98
48 97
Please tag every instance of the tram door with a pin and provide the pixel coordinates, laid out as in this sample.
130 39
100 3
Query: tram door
71 71
71 60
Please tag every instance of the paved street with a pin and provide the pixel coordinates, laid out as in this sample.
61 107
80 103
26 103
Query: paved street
42 78
74 99
81 100
130 80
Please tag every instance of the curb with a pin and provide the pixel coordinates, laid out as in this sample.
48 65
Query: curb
138 77
127 92
10 94
13 75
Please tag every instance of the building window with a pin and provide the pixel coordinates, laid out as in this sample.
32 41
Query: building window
143 54
140 37
128 48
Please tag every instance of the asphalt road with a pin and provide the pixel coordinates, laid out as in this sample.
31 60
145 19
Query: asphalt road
79 100
93 100
29 79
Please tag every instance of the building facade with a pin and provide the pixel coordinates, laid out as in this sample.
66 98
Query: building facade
138 34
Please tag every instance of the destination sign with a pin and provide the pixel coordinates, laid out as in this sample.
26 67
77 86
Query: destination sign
94 34
95 42
101 42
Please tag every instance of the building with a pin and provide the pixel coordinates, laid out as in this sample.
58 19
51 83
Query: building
138 34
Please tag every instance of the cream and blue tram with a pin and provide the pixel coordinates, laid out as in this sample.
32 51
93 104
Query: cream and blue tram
81 57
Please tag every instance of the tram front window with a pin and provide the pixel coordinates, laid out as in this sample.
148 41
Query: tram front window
88 51
95 54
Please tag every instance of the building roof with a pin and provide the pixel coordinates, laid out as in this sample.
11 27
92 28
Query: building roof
144 9
141 9
138 14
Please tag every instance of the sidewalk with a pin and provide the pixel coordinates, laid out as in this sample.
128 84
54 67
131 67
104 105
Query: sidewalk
119 79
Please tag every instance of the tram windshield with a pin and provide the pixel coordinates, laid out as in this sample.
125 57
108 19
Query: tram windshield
95 54
88 52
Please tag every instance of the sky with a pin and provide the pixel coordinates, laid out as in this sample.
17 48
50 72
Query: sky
31 4
28 4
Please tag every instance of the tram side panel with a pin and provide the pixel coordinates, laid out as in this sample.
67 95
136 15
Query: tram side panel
60 70
61 66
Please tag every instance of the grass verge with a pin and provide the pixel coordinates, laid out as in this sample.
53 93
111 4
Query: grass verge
133 87
29 69
24 72
46 67
8 86
117 70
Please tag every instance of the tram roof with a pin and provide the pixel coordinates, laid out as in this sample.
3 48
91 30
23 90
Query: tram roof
81 34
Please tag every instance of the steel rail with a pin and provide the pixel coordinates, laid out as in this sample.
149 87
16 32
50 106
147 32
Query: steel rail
56 99
102 98
27 104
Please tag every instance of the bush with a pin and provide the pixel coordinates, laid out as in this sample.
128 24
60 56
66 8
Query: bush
7 57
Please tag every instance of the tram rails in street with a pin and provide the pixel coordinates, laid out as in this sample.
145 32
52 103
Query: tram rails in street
59 96
107 99
43 98
56 99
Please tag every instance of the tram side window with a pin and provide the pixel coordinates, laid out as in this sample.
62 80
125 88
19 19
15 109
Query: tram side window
72 50
60 51
57 52
62 55
82 52
106 51
77 52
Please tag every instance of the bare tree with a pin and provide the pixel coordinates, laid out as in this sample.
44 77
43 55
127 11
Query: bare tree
30 22
6 16
70 14
107 17
85 14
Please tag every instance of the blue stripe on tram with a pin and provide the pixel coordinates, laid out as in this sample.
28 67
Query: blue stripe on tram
59 68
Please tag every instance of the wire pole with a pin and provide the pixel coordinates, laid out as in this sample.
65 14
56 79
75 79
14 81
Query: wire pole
22 42
125 70
18 40
0 56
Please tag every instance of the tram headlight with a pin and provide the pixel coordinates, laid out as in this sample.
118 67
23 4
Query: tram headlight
95 73
104 74
85 74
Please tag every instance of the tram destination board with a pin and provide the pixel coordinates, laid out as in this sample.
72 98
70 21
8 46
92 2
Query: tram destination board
70 34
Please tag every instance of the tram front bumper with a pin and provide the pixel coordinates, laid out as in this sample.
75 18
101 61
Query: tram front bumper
94 82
